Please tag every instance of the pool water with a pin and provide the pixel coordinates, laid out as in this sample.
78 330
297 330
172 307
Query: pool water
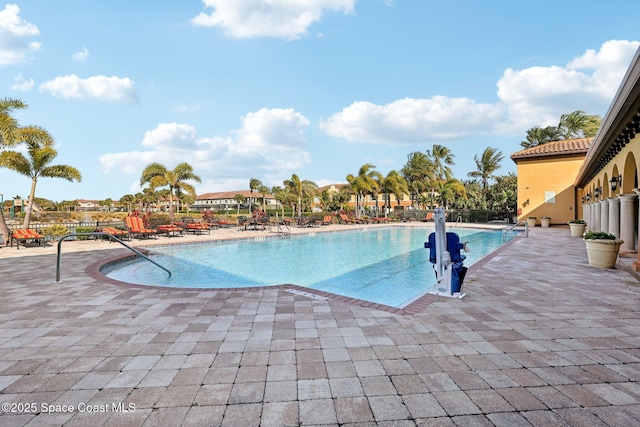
383 265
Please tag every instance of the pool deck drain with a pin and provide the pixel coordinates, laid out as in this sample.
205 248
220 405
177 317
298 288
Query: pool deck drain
540 339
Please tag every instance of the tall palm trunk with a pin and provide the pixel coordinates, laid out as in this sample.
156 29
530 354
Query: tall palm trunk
29 209
4 228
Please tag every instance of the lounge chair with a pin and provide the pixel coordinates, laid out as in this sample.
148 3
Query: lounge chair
327 220
197 228
22 236
347 220
171 230
116 232
136 228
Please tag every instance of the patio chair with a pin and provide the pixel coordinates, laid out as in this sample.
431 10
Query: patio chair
22 236
116 232
197 228
326 220
136 227
171 230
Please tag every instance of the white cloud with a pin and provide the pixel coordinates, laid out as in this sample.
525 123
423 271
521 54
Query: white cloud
20 84
287 19
410 120
588 82
101 88
270 144
82 55
14 48
535 96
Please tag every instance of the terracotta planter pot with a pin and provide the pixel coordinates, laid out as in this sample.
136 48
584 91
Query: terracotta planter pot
577 230
603 253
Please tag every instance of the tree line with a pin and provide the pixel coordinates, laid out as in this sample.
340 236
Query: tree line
426 177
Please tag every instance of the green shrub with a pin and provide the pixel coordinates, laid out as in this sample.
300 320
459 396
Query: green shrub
599 235
577 221
85 230
55 231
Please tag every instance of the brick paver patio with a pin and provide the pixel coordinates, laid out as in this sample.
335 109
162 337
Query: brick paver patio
540 339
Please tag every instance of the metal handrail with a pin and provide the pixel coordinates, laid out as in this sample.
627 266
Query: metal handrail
111 237
508 229
280 231
458 221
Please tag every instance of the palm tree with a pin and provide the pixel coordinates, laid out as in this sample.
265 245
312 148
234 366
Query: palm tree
157 175
254 184
264 190
128 199
37 163
441 158
486 166
578 125
8 131
448 190
280 194
240 199
300 188
416 172
537 136
363 183
394 184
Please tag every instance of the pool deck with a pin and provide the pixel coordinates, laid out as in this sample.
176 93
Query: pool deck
541 339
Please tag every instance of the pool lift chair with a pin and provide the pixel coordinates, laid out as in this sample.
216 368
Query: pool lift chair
444 253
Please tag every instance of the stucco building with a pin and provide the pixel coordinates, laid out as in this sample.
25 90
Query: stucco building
605 186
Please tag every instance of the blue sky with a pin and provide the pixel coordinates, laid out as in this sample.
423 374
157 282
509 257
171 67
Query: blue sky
263 89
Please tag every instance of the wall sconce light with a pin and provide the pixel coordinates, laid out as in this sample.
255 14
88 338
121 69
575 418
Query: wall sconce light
588 197
615 180
596 193
583 199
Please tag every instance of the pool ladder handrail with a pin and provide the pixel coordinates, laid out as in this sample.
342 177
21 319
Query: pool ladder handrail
281 232
458 221
111 237
505 230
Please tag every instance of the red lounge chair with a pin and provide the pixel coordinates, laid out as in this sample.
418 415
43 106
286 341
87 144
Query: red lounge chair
197 228
136 228
171 230
327 220
120 234
25 235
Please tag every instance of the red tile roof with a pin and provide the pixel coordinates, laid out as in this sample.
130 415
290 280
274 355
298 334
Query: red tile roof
564 147
231 195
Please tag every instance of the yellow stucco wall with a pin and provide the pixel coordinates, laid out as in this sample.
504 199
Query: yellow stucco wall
539 179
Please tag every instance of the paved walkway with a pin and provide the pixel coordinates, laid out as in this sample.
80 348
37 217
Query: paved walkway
540 339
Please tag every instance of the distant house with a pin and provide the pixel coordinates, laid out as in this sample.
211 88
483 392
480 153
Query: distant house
370 202
87 205
224 200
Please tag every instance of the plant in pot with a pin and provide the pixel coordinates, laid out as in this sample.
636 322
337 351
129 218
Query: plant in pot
602 248
577 226
545 221
531 221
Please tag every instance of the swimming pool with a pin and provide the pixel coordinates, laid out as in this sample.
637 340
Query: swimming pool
384 265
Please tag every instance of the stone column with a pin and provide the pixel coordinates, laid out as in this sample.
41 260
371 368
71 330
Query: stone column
614 216
604 215
597 224
636 263
588 217
585 208
627 204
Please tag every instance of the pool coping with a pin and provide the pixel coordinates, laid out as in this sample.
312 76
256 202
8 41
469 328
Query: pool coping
416 306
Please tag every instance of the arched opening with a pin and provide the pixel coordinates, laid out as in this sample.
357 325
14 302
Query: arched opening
606 189
629 174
